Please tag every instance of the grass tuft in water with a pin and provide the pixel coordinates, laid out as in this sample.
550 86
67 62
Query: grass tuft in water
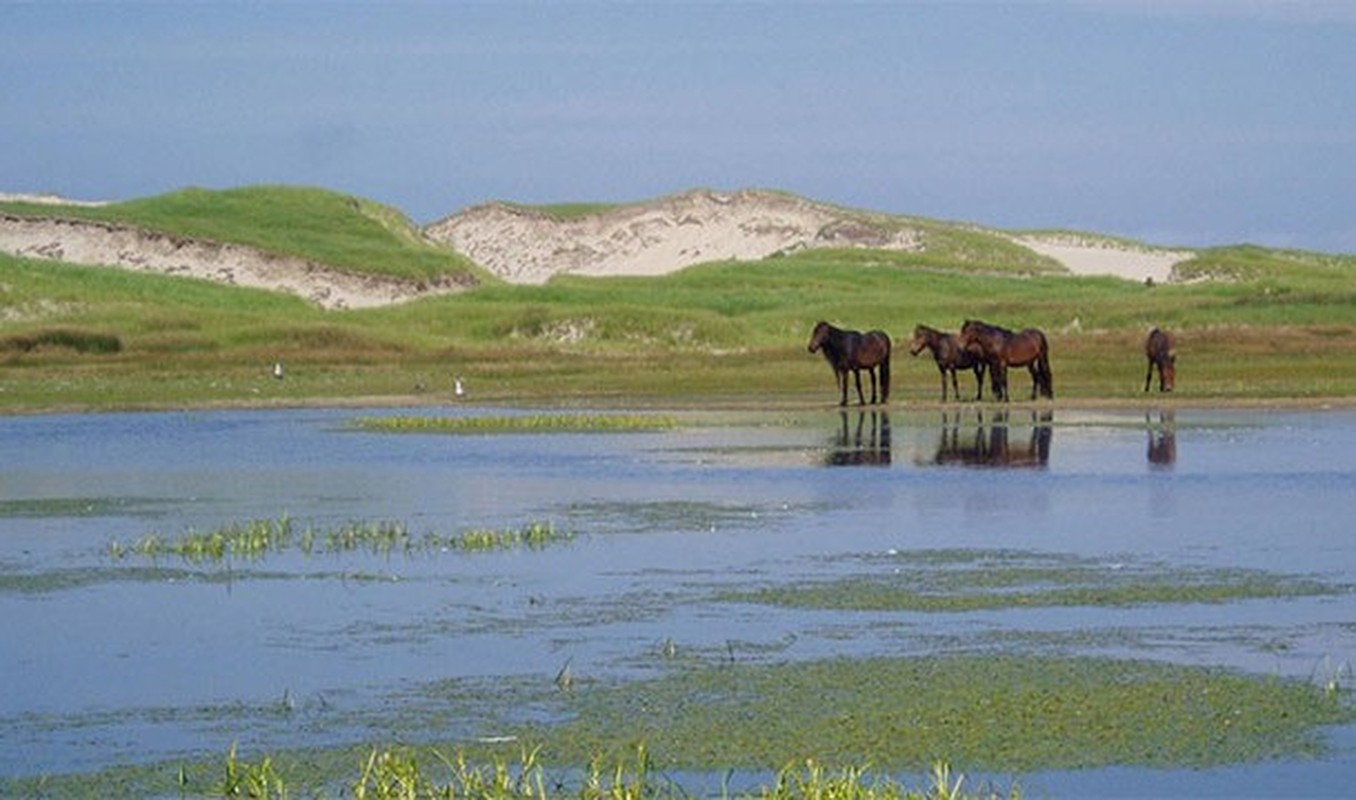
532 423
259 538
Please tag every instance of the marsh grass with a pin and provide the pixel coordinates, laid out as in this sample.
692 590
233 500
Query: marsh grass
427 773
1283 329
256 539
529 423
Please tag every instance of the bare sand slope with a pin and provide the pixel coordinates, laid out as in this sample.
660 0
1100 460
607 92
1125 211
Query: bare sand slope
96 243
526 246
1084 256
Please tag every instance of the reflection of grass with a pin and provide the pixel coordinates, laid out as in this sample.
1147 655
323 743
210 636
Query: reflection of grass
532 423
958 581
257 538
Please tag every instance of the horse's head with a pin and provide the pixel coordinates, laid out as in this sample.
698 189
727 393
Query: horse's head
970 336
819 335
922 336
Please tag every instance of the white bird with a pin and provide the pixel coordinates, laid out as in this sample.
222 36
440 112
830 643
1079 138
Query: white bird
457 388
278 370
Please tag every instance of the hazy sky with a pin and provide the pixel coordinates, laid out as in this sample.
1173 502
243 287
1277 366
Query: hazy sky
1176 122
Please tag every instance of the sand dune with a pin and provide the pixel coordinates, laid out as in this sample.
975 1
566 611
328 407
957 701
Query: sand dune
526 246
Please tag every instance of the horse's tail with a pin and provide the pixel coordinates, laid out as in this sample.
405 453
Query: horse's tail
1047 378
885 375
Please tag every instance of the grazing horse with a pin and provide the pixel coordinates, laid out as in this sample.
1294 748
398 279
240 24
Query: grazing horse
1002 348
950 357
1161 351
854 351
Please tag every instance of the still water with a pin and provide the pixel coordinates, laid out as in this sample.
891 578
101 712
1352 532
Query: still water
107 660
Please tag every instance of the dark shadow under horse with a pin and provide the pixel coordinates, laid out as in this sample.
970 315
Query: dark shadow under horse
989 443
867 446
850 351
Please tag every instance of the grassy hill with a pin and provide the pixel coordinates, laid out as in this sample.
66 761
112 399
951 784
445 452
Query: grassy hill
349 233
1253 323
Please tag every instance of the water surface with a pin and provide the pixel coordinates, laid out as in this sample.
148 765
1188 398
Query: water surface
110 660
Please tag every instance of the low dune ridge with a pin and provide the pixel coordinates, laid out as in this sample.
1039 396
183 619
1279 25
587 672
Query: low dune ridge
530 245
525 245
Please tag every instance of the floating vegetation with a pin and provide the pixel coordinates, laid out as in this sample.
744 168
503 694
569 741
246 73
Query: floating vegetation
668 516
989 712
531 423
962 580
77 507
258 538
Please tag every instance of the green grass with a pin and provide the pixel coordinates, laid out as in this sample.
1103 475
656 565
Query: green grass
350 233
414 773
530 423
256 539
1253 324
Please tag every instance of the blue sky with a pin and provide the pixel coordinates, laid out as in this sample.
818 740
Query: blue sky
1177 122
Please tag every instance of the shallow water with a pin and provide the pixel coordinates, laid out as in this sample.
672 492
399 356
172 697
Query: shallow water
109 660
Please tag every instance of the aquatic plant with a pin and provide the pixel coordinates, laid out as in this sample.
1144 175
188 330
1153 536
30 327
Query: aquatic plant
954 581
397 775
530 423
257 538
243 779
999 713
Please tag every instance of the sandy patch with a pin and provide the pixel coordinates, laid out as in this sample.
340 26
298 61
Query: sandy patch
95 243
1093 257
525 246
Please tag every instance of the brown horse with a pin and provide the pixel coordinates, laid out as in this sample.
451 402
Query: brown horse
1161 351
1002 348
950 357
854 351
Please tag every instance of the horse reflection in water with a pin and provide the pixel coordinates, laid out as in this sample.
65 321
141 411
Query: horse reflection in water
1162 439
990 444
865 444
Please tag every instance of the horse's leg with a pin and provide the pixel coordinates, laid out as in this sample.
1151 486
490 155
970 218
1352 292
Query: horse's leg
941 370
1149 375
861 399
842 376
1035 371
979 381
871 372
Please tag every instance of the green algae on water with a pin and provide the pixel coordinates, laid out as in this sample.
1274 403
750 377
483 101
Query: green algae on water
982 712
964 580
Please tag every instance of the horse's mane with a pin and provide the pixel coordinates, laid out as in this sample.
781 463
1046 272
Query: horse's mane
987 327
